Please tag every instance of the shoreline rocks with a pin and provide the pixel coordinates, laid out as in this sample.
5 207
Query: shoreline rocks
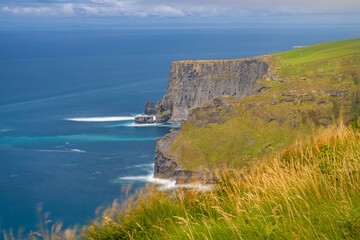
149 115
167 167
145 119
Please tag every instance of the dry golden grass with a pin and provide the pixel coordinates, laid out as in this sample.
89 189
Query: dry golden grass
308 191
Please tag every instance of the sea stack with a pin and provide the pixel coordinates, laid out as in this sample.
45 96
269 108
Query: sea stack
149 115
149 108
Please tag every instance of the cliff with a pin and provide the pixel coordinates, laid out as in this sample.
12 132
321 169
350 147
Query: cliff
191 83
235 112
167 167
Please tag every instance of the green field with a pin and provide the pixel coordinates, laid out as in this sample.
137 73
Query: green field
322 51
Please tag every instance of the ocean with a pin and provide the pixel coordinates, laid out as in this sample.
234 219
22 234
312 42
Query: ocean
68 99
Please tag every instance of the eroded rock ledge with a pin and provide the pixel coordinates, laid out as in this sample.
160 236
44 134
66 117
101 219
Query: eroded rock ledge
168 168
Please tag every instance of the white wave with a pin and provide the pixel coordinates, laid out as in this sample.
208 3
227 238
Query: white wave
152 125
295 47
150 178
61 151
101 119
137 178
167 184
77 150
144 165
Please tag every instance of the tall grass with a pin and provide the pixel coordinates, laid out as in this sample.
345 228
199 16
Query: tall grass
47 230
309 190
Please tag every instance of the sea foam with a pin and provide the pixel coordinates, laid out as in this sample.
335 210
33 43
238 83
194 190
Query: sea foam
62 151
133 124
166 184
101 119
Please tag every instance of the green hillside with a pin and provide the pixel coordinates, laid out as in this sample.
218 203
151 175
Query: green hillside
322 51
314 87
309 190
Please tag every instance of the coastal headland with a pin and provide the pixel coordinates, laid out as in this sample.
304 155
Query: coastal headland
233 110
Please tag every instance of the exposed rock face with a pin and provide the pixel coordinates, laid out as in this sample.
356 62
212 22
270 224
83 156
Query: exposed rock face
191 83
167 167
143 119
149 108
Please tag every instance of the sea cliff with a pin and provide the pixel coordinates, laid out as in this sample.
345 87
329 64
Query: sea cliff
235 110
191 83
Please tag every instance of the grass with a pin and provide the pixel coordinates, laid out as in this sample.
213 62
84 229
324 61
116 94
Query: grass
277 189
291 108
334 65
309 190
321 51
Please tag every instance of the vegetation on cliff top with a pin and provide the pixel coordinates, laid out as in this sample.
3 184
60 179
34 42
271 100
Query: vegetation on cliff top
307 191
313 86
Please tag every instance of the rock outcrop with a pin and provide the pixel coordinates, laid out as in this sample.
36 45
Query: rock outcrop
167 167
149 108
145 119
191 83
149 115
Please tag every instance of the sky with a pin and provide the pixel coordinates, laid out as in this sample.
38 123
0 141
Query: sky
186 13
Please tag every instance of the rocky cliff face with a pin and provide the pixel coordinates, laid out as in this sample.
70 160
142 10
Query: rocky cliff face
191 83
167 167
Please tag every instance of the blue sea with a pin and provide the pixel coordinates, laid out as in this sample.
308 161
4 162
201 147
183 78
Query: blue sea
68 99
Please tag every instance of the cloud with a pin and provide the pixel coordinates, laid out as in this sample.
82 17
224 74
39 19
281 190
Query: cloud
174 8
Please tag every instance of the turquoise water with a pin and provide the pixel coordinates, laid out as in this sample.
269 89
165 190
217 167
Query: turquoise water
50 79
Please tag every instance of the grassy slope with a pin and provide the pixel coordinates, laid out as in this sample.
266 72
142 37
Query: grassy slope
304 190
292 108
307 191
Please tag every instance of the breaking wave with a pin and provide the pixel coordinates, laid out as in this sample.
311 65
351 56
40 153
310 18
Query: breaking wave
102 119
133 124
62 151
295 47
166 184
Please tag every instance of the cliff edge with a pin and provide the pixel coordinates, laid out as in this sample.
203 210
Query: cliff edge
194 82
234 112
